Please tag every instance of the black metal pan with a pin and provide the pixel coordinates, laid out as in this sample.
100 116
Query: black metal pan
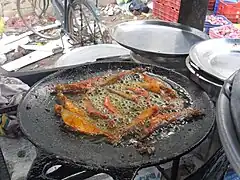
41 126
159 38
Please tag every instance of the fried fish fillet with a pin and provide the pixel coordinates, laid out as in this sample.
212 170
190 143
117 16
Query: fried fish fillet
85 118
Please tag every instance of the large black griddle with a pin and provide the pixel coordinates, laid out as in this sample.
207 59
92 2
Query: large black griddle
228 119
41 126
157 38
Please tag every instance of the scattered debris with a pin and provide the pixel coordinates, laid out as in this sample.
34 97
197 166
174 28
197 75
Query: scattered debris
16 22
5 48
121 2
150 5
135 7
40 53
18 51
13 38
3 58
112 9
110 12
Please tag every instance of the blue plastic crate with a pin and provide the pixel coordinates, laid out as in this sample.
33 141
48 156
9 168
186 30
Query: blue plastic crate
208 26
216 7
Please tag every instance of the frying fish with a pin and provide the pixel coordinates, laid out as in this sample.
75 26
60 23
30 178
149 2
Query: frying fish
122 104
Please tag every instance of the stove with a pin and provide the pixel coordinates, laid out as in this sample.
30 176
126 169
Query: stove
204 162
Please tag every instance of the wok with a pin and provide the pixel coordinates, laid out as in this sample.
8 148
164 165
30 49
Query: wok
157 38
41 126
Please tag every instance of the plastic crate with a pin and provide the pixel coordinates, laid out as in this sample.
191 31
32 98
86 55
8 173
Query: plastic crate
216 7
166 10
208 25
230 10
170 3
211 4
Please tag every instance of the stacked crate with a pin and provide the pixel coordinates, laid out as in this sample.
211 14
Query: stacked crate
166 10
229 10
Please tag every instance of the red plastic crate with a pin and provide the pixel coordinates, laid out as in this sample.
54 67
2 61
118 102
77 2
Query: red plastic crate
170 3
230 11
166 10
211 4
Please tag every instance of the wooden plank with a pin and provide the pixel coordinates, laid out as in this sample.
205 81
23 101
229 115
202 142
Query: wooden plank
26 60
10 47
13 38
31 57
37 47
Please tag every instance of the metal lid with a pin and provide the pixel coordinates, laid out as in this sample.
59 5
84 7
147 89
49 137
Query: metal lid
85 54
157 37
217 57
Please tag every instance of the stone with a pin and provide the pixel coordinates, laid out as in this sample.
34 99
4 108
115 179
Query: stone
110 12
106 8
117 11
